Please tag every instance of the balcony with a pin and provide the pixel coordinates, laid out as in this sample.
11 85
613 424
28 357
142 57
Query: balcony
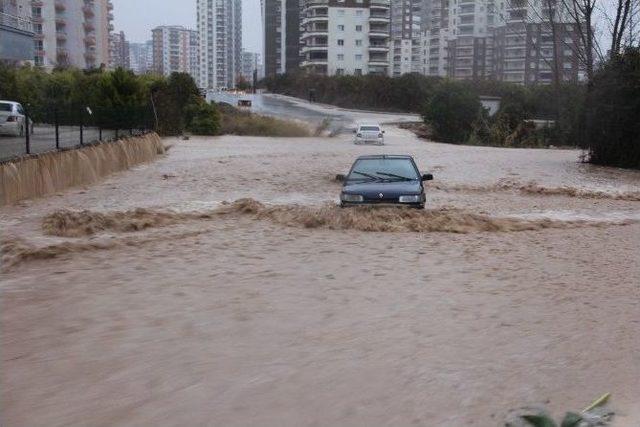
379 4
59 6
315 47
88 11
90 41
60 21
61 35
378 33
379 47
88 26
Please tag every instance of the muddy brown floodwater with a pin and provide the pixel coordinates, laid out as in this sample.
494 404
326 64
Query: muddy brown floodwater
221 286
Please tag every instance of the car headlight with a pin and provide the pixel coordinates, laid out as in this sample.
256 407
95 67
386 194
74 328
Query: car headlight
359 135
351 197
410 199
380 135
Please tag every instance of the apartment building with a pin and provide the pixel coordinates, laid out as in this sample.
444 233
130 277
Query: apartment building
72 32
119 52
16 31
141 57
281 25
220 38
531 47
506 40
175 50
346 37
250 64
406 32
435 34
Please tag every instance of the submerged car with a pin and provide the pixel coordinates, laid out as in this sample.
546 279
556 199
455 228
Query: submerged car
369 133
384 180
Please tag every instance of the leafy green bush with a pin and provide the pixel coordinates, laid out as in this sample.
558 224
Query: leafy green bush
203 119
612 128
451 112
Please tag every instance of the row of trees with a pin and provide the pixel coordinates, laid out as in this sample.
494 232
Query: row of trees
110 99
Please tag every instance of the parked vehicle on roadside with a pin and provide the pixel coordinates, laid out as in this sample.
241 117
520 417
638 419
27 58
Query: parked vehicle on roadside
13 119
369 133
384 180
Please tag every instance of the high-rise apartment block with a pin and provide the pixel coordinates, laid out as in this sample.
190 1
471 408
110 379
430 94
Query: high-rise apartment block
72 32
406 32
281 23
141 57
175 50
516 41
520 41
16 31
250 65
119 52
220 37
346 37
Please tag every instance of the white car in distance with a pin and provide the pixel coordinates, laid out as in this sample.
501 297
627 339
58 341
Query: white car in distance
13 119
369 133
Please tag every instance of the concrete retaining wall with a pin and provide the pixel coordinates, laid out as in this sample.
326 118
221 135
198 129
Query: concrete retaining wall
39 175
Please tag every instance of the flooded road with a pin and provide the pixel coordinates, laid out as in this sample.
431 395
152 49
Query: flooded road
220 285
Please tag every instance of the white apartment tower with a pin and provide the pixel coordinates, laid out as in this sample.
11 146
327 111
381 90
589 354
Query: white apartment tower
345 37
175 50
220 33
406 31
72 32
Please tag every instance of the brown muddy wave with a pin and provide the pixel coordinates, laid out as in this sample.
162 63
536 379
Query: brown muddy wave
536 189
67 223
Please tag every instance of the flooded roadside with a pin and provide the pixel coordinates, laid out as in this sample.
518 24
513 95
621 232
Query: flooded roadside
160 297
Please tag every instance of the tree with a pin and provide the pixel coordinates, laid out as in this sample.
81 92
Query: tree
614 137
451 112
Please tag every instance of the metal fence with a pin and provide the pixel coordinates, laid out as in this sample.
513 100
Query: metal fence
63 127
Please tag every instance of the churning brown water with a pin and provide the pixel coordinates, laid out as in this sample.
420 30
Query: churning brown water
51 172
221 285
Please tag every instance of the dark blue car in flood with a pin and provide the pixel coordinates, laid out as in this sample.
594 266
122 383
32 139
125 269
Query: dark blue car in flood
384 180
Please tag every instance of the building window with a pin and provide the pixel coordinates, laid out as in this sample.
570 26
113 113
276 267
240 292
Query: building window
340 42
340 27
339 71
358 27
341 12
358 57
357 71
358 42
340 57
358 12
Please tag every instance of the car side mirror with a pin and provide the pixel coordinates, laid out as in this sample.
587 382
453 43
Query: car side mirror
427 177
340 177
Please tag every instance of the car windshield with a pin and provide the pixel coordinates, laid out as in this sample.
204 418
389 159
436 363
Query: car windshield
369 129
383 169
5 107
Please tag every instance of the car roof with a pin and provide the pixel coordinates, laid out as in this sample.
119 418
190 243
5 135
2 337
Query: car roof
368 124
8 102
385 156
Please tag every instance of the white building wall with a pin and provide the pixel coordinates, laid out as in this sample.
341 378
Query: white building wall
352 55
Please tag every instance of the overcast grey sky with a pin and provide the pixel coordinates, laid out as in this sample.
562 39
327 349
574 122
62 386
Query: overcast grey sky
137 17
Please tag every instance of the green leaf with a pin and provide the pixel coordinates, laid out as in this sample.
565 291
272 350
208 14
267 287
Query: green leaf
571 419
539 420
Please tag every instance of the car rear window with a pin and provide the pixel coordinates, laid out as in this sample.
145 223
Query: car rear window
369 128
6 107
